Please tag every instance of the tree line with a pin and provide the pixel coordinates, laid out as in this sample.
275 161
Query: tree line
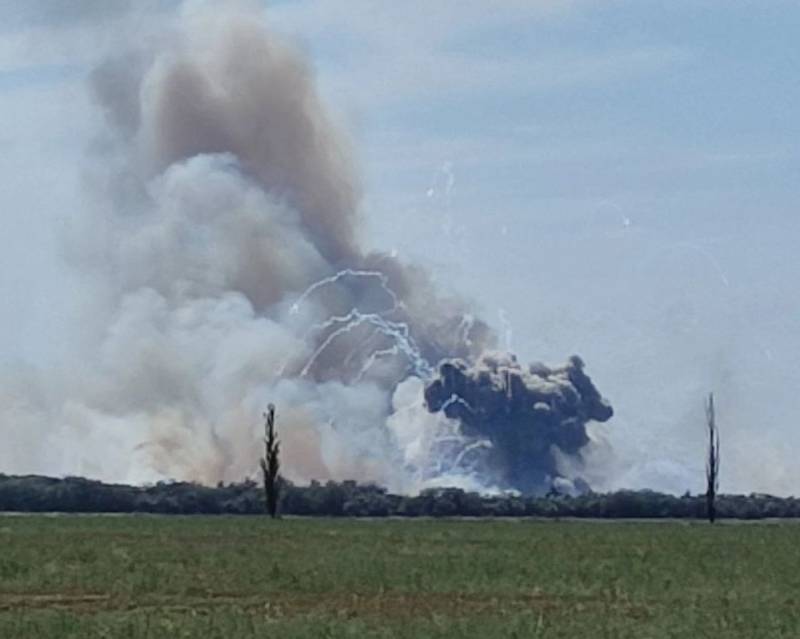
33 493
454 502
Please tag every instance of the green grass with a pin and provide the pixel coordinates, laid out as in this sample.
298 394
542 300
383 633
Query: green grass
224 577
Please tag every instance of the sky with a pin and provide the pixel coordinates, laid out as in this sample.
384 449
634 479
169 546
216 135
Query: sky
609 178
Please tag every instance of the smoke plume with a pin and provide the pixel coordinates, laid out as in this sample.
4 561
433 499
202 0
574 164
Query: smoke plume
526 417
226 271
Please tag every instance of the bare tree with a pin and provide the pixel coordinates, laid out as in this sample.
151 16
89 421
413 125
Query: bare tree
712 460
270 464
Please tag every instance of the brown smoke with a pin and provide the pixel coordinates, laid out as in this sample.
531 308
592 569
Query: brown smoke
228 193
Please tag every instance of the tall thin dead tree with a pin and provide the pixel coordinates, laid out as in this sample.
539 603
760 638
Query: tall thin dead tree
270 463
712 460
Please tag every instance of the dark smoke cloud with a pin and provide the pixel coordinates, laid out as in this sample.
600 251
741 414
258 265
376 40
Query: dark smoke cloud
527 415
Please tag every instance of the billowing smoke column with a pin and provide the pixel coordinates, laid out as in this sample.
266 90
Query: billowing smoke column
526 417
221 250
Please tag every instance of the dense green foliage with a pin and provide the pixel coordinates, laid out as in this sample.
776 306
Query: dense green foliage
348 499
232 577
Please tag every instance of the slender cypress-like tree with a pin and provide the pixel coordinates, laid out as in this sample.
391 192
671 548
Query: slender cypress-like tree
270 463
712 460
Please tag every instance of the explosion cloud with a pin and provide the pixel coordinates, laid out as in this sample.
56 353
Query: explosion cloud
222 252
526 416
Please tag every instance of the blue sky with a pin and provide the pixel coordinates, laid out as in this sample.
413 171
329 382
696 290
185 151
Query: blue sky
616 179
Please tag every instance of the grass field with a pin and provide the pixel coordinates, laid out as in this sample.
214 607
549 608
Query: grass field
224 577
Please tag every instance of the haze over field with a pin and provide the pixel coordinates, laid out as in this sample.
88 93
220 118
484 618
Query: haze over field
613 181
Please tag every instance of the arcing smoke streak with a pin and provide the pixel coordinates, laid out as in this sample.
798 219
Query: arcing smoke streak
224 273
397 332
331 321
348 272
448 447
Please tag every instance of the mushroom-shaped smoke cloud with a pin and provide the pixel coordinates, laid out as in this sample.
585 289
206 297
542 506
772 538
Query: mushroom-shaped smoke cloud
526 416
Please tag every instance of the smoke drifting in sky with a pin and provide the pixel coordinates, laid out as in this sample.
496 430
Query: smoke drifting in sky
226 272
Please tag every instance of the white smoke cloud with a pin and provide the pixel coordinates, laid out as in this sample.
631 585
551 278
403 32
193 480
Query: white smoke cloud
218 193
